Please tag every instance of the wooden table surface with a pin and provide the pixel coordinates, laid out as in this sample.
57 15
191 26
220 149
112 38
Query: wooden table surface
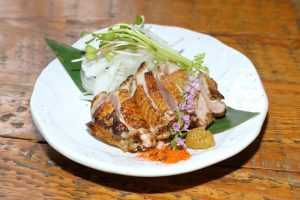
265 31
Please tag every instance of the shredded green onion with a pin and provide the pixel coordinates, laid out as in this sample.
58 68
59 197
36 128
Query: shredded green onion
123 37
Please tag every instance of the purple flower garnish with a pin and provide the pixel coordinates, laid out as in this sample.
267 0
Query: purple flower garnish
192 78
187 89
176 126
182 106
189 109
186 107
190 102
193 92
186 127
186 118
180 142
196 85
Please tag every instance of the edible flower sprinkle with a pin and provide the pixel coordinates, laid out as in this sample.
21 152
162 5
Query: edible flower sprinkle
180 128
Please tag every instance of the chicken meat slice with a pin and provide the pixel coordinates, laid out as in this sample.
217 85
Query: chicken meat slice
135 136
146 104
98 100
170 67
154 92
103 114
172 105
202 112
171 80
202 117
213 97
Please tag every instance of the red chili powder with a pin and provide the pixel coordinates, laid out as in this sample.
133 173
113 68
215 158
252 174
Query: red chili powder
165 155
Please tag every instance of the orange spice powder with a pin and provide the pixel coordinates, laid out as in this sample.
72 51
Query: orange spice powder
165 155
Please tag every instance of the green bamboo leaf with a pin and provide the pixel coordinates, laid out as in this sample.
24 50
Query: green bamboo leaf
232 118
65 55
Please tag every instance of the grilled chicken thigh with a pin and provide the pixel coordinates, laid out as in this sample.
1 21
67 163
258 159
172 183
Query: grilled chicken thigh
141 112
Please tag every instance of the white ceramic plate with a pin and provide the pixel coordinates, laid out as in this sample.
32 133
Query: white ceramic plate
61 116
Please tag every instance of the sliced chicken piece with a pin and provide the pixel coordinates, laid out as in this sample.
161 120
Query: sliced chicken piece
103 115
149 113
117 98
180 78
126 85
202 112
118 126
140 80
172 83
163 131
119 133
172 106
132 144
106 115
98 100
146 104
137 138
132 114
172 90
107 136
170 67
142 137
213 97
154 92
202 116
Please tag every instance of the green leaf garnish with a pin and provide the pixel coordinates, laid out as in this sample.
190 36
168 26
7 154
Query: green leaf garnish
66 54
232 119
198 64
